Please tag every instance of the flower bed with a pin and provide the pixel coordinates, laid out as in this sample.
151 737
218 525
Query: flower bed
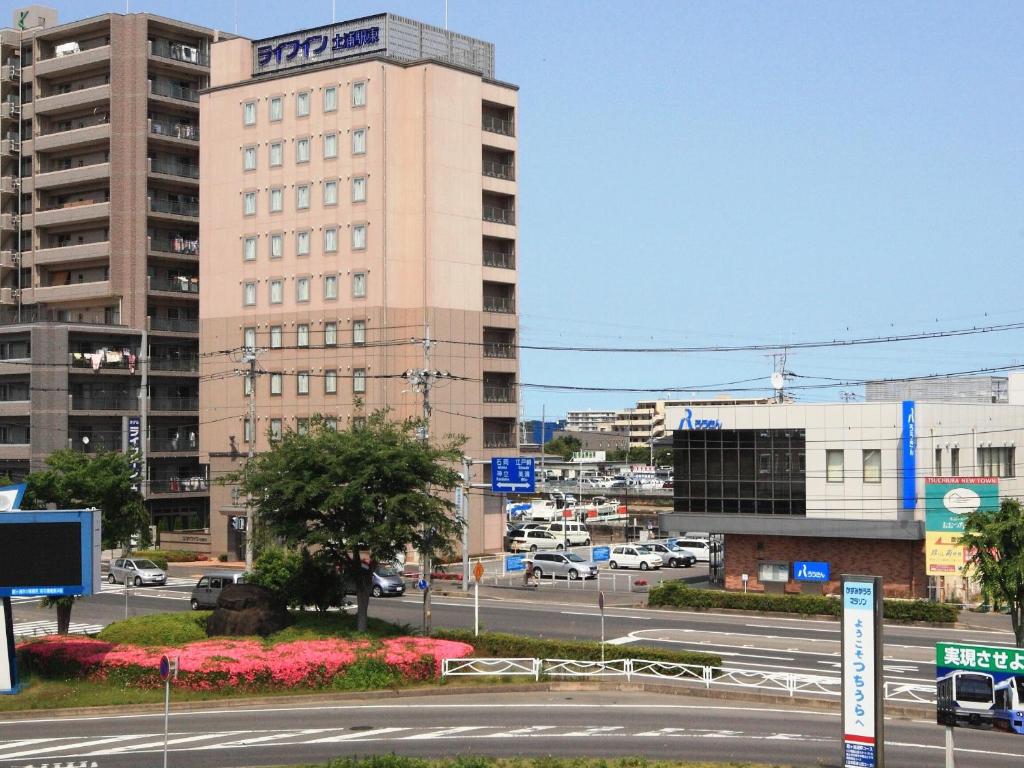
245 663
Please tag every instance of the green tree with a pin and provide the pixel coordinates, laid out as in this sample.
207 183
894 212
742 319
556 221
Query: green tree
564 446
76 480
996 543
357 497
299 578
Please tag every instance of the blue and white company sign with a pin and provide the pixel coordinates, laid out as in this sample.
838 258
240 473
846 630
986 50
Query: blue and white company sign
688 422
810 571
312 46
909 456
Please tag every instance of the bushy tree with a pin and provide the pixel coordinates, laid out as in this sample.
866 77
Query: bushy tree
995 541
299 578
564 446
357 497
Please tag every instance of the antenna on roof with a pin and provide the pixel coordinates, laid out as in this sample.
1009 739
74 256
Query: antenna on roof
445 15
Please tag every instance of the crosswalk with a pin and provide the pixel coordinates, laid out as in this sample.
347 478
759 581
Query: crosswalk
82 748
49 627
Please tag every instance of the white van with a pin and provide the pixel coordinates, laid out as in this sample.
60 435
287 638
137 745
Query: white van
575 533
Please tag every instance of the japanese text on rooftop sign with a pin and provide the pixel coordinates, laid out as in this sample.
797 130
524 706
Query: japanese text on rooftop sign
311 46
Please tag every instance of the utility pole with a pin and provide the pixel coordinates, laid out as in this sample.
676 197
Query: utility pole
249 356
543 427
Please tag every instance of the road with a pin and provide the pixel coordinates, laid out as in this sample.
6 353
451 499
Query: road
598 724
744 641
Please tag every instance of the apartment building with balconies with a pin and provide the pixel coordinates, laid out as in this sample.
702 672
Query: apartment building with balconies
99 248
359 188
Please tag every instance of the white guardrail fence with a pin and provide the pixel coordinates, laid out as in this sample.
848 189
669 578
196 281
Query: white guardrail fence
788 683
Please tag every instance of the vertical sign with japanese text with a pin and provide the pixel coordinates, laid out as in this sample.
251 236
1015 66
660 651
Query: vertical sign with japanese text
909 442
135 450
863 736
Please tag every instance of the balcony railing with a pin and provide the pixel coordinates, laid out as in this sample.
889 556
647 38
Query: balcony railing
85 360
95 442
499 440
175 284
499 170
174 168
182 245
181 444
174 130
174 91
499 394
499 125
499 304
499 215
103 403
176 207
189 54
187 363
499 259
159 403
499 349
180 324
178 485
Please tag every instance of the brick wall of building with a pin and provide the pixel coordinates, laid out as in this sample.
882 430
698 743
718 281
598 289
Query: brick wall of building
899 563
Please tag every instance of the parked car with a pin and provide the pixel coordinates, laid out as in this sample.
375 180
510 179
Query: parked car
699 547
567 564
673 557
517 530
575 533
207 590
137 571
535 540
634 556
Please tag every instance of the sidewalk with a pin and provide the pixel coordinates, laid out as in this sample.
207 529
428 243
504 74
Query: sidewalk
199 567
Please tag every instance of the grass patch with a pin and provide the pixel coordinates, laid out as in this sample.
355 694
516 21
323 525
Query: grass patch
478 761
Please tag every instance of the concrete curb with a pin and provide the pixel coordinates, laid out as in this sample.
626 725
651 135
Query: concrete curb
902 711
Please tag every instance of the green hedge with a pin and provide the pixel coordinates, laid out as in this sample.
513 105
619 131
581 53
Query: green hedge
164 556
500 645
158 629
674 594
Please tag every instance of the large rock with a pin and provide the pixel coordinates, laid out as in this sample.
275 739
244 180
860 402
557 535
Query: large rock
247 609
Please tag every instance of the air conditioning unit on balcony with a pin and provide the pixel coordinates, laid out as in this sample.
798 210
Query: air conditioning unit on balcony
66 49
190 54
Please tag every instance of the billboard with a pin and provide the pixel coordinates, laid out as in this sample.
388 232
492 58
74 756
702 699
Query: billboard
979 686
66 545
947 501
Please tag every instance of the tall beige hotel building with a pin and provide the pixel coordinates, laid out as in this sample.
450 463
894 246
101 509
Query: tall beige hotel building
358 195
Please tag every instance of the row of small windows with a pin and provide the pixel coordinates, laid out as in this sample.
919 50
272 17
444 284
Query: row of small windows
303 103
302 383
302 289
303 194
303 240
302 335
301 426
275 150
993 461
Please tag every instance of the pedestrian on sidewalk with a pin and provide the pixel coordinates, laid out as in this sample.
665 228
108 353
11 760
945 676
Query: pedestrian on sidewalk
527 574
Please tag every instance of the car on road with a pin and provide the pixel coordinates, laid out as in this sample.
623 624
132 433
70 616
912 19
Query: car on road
137 571
387 581
565 564
674 557
207 590
535 540
634 556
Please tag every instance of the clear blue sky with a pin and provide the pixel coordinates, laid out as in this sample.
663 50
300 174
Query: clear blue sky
698 173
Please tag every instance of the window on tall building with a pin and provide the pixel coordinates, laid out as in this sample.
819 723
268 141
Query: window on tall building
359 141
358 237
275 383
302 289
249 113
249 203
302 242
330 98
249 158
330 334
358 331
331 382
359 285
302 104
954 462
275 429
331 240
302 335
301 426
996 461
359 380
302 150
276 153
302 196
937 469
249 248
247 431
249 338
330 192
358 189
276 245
330 146
276 199
331 423
330 287
834 466
276 291
249 294
302 383
275 337
359 94
872 458
276 107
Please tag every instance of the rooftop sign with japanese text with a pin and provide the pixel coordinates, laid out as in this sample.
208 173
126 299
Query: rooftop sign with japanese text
321 44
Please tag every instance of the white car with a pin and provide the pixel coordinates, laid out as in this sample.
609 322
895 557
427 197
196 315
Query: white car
536 539
699 547
634 556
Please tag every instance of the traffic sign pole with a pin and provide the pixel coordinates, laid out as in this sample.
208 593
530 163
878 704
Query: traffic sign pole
478 574
600 604
168 669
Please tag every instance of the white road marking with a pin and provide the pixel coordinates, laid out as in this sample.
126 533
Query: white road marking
89 744
620 640
358 735
160 742
40 628
803 629
445 732
271 737
607 615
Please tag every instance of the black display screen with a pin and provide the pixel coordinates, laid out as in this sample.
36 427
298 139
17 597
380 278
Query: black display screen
40 554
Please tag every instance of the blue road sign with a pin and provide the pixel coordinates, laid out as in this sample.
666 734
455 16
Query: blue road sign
514 563
512 474
599 554
422 583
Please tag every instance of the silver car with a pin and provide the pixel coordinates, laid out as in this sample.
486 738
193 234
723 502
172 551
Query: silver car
137 571
387 581
567 564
